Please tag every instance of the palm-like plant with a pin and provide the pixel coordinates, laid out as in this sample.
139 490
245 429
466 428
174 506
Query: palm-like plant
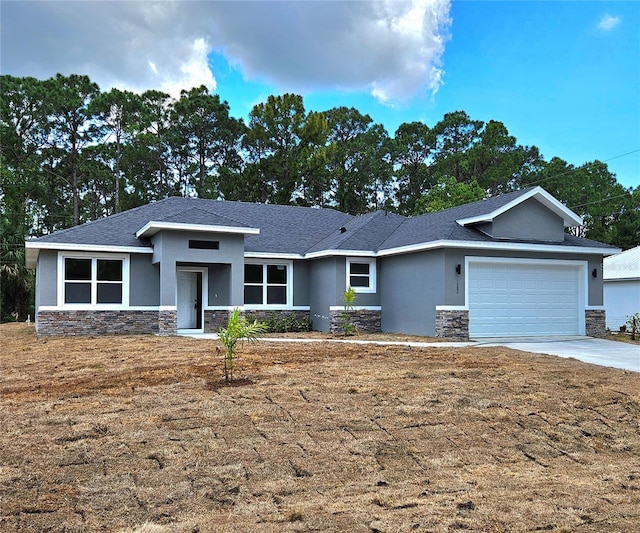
238 329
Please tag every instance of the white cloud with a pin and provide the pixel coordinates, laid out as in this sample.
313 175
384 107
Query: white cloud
608 22
390 48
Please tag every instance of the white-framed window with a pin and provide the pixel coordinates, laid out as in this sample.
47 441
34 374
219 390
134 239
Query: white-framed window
86 280
268 284
361 274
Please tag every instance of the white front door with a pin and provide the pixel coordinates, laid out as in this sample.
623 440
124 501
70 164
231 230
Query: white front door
188 307
513 299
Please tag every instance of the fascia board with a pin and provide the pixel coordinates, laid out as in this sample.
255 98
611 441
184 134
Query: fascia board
152 227
32 249
87 247
274 255
342 253
520 247
570 218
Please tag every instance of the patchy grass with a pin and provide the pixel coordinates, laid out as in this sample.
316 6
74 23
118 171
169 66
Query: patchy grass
623 337
138 434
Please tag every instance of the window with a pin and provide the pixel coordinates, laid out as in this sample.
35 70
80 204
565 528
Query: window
361 275
204 245
91 280
266 284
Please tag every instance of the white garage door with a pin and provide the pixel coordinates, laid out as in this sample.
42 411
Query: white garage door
513 299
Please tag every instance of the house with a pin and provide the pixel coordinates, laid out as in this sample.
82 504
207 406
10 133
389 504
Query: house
621 287
503 266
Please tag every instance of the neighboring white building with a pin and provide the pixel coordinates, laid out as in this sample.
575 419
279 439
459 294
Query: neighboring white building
621 287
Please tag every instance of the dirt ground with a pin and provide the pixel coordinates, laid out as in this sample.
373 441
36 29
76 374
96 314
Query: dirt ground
139 434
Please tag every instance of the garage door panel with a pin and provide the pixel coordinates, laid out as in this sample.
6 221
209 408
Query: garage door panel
523 299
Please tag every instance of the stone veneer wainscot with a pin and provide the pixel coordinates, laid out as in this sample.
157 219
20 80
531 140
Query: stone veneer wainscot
365 321
91 322
452 324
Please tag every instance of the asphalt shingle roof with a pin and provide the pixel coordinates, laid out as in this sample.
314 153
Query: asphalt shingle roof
294 230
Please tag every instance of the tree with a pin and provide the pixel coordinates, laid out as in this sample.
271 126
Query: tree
119 116
413 146
23 136
71 122
625 233
358 161
206 139
589 190
497 162
313 190
16 282
238 329
448 193
455 134
274 144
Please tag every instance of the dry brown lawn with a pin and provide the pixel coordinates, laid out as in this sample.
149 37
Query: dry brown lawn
139 434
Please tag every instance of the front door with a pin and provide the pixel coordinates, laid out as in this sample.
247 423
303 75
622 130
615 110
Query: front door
189 299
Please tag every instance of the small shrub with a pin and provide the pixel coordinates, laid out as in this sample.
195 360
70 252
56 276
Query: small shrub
633 324
277 323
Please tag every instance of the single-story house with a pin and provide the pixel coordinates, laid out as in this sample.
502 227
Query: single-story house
621 287
503 266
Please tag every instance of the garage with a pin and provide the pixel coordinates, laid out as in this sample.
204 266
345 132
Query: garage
522 298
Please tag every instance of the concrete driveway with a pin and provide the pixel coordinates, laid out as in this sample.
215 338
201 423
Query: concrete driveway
589 350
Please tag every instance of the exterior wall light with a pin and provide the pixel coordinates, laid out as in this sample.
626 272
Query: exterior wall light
594 272
458 269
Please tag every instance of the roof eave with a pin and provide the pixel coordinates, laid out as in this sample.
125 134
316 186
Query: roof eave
513 246
152 227
32 249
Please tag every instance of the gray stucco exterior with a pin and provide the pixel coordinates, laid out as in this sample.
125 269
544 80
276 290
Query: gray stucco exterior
409 306
417 285
323 291
530 221
171 248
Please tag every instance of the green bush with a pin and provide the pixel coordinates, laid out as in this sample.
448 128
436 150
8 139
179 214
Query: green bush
276 323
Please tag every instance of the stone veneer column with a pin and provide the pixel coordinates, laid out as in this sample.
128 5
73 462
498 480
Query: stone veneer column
167 322
595 322
365 321
452 324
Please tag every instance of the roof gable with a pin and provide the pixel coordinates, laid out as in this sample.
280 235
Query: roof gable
538 193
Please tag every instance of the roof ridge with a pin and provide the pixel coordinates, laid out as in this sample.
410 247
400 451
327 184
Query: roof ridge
348 235
404 221
326 236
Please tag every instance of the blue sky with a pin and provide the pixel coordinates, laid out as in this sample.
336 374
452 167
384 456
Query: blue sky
545 69
563 76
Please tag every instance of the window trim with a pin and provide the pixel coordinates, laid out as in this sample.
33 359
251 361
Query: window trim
289 285
125 258
372 287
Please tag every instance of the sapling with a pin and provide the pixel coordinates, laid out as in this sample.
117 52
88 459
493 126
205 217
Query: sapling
238 329
349 298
